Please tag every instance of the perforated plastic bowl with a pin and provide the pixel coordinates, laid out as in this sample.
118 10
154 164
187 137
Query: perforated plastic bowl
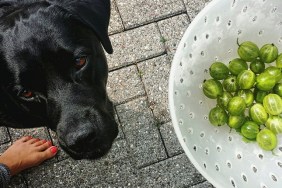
220 155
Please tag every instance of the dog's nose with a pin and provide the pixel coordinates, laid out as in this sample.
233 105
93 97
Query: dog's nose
86 134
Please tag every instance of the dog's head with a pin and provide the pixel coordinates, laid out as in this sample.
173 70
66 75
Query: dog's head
53 71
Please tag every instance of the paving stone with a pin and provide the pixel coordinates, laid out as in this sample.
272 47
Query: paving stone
124 84
205 184
172 30
139 12
18 182
115 25
155 76
70 173
40 133
170 139
4 147
114 169
141 132
174 172
194 7
135 45
4 136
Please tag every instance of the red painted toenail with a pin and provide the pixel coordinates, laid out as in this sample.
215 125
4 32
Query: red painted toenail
54 149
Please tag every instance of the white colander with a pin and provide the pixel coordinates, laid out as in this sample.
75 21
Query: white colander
218 153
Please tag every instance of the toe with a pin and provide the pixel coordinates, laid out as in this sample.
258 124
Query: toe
50 152
39 143
24 139
44 146
33 140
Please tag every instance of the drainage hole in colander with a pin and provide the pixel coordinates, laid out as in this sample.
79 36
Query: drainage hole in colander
280 40
217 167
207 36
217 19
228 163
191 115
279 164
254 18
207 151
273 177
188 93
232 182
176 92
184 139
180 122
260 156
229 23
216 130
254 169
190 131
205 117
280 148
202 53
263 186
218 148
204 164
206 19
200 102
274 10
244 177
234 1
190 55
182 107
260 33
195 148
216 58
230 138
202 134
181 80
184 45
239 32
219 39
245 9
195 38
180 64
229 51
191 72
239 156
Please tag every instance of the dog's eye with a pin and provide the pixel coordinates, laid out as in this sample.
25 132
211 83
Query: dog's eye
26 94
80 62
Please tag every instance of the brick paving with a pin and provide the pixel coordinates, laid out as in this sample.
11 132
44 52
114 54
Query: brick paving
146 153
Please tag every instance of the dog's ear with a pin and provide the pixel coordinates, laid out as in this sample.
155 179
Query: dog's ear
93 13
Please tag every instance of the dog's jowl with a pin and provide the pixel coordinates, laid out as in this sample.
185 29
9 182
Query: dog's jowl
53 71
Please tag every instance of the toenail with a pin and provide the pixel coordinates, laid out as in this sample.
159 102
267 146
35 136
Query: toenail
54 149
44 141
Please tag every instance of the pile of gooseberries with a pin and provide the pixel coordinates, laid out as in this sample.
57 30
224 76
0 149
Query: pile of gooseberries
248 92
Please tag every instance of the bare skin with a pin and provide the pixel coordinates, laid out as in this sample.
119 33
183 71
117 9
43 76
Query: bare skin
27 152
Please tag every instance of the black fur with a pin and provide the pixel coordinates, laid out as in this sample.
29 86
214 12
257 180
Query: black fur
40 41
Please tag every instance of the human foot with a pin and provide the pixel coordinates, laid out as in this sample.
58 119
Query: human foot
27 152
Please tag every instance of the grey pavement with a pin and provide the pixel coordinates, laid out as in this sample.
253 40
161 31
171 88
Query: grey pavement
146 153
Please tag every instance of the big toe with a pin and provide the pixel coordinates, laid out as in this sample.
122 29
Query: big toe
50 152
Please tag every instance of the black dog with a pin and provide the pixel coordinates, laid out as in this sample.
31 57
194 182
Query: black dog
53 71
